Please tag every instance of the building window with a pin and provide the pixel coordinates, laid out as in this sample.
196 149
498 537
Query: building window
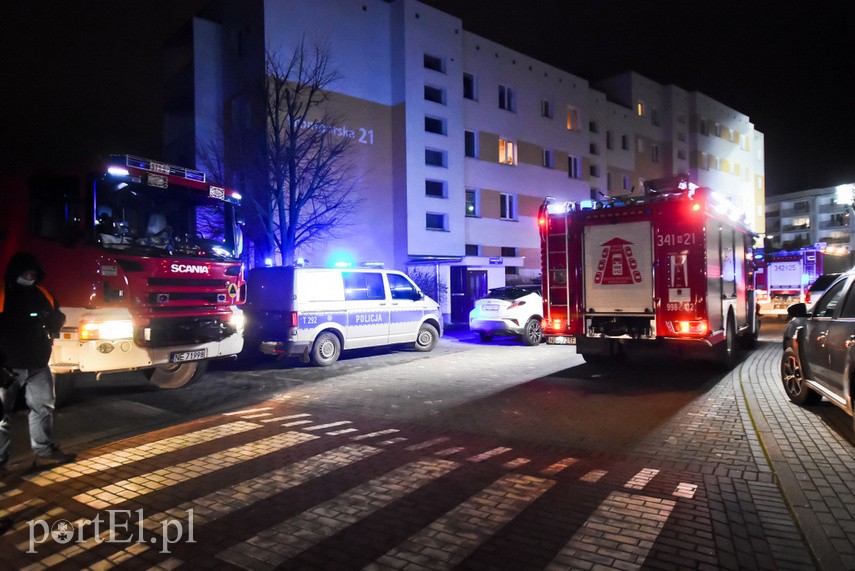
718 129
507 207
574 165
639 108
625 182
435 125
609 140
572 118
473 250
468 86
436 221
594 127
624 142
507 99
594 170
512 271
654 118
546 108
472 209
437 188
594 149
548 158
435 63
507 152
509 252
713 162
704 129
681 154
654 153
436 158
705 161
469 144
744 143
435 94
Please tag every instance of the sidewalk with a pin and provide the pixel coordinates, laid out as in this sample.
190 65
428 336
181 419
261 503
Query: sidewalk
811 459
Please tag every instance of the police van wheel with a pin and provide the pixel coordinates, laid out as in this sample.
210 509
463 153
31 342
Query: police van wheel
427 337
176 375
326 349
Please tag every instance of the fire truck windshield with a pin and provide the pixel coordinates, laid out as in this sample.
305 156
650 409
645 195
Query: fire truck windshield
163 221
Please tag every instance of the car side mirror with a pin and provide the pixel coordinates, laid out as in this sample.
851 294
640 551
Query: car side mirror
417 295
797 310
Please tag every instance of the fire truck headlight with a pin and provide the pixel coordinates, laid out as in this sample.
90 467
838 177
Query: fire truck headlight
238 320
113 329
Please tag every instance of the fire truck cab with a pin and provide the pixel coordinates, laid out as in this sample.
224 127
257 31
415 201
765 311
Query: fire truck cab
142 258
668 270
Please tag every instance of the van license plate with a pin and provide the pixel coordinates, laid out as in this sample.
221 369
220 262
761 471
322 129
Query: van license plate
188 356
560 340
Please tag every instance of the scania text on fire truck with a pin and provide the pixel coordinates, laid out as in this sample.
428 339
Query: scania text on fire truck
668 269
142 257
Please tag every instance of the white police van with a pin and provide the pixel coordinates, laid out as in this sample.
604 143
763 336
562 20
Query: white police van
318 312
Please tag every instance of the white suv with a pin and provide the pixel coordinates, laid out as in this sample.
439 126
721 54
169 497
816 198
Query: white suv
509 310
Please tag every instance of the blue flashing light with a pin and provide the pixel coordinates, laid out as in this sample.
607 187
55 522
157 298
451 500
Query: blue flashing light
342 264
268 262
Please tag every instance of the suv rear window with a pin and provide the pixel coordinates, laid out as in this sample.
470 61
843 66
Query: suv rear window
511 292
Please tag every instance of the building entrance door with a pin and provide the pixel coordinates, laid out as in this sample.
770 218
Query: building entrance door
466 286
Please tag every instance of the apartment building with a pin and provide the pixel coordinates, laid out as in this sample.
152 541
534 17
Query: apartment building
821 217
459 139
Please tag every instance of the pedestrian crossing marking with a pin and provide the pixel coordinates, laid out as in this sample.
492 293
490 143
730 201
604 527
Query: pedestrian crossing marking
286 417
453 536
259 415
640 480
340 432
393 441
619 534
593 476
9 494
488 454
298 423
685 490
247 411
100 498
328 425
558 466
277 544
375 434
142 452
427 444
516 463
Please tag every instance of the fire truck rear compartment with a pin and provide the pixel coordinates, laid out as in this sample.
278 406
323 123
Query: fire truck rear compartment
621 326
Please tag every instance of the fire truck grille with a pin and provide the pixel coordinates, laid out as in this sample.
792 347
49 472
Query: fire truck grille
165 298
165 331
182 282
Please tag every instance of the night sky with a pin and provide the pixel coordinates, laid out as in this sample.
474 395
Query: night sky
85 77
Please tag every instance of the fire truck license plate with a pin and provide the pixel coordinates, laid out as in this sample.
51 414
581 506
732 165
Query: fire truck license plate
188 356
560 340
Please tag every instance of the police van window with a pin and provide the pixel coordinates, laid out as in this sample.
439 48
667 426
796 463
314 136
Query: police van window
828 303
401 287
363 285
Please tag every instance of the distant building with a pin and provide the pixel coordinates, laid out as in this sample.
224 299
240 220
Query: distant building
819 216
461 138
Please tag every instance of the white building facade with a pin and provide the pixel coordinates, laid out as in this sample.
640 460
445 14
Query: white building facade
458 139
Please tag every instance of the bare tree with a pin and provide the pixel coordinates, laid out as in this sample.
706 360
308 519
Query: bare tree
299 180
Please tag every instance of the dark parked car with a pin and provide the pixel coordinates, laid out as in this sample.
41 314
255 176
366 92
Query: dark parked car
819 347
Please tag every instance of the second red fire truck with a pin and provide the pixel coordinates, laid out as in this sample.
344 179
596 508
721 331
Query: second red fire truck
669 269
142 257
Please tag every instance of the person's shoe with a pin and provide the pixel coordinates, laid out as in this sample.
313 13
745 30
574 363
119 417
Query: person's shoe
53 458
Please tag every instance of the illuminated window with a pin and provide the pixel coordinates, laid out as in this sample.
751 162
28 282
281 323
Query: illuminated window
639 108
469 86
472 209
572 118
507 207
507 152
507 99
436 221
744 143
574 167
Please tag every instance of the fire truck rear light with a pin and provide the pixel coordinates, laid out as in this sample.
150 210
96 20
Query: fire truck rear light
115 329
696 207
294 319
690 327
554 325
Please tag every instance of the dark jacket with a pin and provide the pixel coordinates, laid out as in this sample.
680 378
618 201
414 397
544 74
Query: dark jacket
30 318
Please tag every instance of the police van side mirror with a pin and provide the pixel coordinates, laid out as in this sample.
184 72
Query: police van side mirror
417 295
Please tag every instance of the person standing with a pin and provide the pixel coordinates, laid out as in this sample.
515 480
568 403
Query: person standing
29 321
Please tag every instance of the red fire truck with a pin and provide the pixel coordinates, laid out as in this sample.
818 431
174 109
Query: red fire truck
142 258
666 270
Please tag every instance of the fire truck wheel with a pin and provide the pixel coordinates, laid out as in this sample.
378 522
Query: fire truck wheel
727 348
794 381
325 349
533 334
64 386
175 376
426 339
